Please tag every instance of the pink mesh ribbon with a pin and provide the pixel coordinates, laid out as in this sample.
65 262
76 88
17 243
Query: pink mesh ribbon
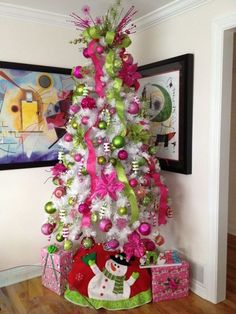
91 162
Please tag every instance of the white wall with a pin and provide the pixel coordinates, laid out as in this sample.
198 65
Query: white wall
190 33
232 167
23 192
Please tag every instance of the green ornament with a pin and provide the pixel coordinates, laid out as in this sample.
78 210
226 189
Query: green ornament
94 217
84 171
102 125
79 90
68 245
69 181
118 141
49 209
71 201
153 150
59 237
122 211
141 162
146 200
56 181
113 161
74 125
101 160
87 243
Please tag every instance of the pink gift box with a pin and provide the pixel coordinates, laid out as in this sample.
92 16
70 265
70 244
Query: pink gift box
170 282
56 267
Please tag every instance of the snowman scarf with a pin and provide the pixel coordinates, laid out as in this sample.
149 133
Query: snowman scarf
119 281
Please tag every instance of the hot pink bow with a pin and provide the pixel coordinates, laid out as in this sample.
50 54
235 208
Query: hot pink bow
134 246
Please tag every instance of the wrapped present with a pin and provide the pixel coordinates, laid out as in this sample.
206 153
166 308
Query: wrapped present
56 265
170 281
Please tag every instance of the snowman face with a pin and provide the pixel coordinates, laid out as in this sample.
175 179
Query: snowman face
116 269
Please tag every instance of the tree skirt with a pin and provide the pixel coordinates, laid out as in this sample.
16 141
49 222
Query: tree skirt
102 279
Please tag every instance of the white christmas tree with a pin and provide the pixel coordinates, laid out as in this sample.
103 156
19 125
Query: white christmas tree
109 188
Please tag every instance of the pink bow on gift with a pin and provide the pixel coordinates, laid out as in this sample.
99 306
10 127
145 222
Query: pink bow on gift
108 184
134 246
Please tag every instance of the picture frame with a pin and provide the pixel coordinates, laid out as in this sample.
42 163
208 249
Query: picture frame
34 103
167 88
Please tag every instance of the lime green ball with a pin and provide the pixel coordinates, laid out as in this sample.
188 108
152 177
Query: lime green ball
84 171
153 150
68 245
94 217
102 125
71 201
87 243
146 200
79 90
141 162
101 160
74 125
59 237
122 211
118 141
49 209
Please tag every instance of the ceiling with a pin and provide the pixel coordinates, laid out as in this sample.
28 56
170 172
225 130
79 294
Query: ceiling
98 7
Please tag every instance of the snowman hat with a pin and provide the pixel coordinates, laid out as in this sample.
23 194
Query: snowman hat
120 259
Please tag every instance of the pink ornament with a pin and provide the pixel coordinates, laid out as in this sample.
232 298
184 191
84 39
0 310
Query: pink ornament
83 208
99 49
146 180
100 140
85 120
59 192
77 157
68 137
133 108
74 108
112 111
122 155
88 103
144 228
77 72
127 58
149 244
105 225
113 244
86 53
47 228
133 182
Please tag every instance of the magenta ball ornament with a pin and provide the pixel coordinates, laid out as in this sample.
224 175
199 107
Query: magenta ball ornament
47 229
68 137
99 49
84 120
144 228
83 208
113 244
77 157
105 225
59 192
133 108
77 72
86 53
123 155
149 244
74 108
112 110
133 182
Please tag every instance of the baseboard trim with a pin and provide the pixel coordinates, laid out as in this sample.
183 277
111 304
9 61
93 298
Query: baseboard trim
232 229
18 274
199 289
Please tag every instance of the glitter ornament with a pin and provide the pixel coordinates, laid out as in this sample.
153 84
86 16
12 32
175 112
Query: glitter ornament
146 200
79 90
87 242
152 150
77 72
105 225
144 228
49 208
149 244
83 208
122 154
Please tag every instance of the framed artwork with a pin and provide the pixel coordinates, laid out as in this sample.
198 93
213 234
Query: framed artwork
167 88
34 102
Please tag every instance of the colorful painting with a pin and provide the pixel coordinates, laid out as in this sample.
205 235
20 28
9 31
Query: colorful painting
167 88
34 102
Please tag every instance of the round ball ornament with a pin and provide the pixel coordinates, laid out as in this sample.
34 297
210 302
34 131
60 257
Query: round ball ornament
74 125
105 225
86 53
77 72
100 49
118 141
113 161
112 244
68 137
101 160
83 208
122 154
59 237
133 108
57 181
79 90
102 125
94 217
87 242
159 240
49 208
47 228
152 150
144 228
133 182
84 171
77 157
68 245
149 244
74 108
59 192
140 192
146 200
84 120
122 211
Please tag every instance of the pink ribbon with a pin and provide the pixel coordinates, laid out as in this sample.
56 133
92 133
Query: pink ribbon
98 64
162 209
91 162
86 220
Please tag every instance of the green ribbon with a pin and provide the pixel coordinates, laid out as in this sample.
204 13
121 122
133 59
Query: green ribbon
91 32
126 42
110 37
128 191
52 249
114 93
109 63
